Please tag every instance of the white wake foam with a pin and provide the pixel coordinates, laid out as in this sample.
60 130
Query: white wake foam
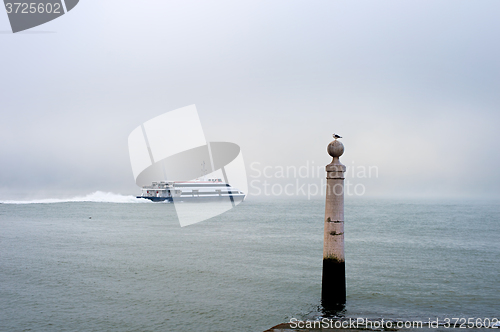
98 196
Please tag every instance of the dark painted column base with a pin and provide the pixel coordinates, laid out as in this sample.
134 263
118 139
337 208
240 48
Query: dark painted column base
333 291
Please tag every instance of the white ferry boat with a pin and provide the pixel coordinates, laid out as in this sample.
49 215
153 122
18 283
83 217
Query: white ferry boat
196 190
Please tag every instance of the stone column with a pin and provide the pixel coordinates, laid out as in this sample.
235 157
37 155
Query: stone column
333 293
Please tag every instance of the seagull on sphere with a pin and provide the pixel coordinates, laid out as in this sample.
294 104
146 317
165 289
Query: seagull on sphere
336 136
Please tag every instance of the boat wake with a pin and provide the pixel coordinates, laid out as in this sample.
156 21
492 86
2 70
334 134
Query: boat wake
96 197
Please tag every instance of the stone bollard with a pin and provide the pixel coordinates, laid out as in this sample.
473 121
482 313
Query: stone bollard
333 292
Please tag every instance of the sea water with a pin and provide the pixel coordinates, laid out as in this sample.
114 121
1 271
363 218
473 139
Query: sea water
107 262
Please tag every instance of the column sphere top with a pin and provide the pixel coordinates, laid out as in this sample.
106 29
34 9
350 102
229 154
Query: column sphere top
335 148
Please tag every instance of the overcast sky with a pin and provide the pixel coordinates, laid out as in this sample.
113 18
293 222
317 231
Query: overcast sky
413 86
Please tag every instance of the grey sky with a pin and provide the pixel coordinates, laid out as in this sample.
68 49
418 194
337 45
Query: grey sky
413 86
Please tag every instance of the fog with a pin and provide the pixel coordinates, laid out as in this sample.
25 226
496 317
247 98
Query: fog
412 86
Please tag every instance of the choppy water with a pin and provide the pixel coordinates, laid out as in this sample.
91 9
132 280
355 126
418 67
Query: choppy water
133 268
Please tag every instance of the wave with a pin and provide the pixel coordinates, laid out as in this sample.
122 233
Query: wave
96 197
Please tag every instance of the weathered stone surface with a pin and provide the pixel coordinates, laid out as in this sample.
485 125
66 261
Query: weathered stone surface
333 291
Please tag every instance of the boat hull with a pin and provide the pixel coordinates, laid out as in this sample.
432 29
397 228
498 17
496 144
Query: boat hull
156 199
234 198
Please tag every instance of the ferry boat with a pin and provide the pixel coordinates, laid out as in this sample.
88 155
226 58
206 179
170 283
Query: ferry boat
196 190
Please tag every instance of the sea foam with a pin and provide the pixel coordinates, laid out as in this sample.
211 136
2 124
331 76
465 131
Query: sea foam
97 197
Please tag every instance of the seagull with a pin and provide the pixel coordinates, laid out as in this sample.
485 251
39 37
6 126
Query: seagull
336 136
